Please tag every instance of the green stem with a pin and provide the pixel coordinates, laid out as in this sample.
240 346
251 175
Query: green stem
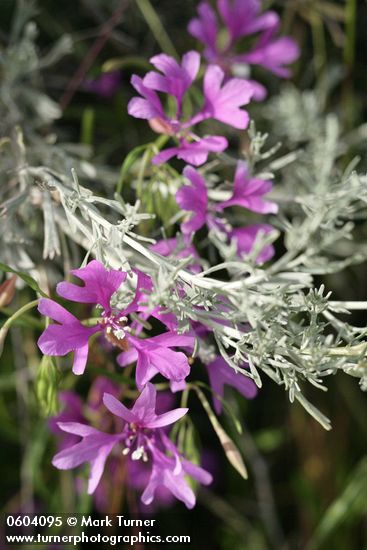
128 61
349 60
18 313
350 38
318 38
155 25
87 126
185 397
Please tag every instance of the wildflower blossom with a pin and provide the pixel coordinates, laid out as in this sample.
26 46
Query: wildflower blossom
74 410
178 249
221 102
105 85
153 354
247 192
70 334
221 374
245 237
244 19
143 437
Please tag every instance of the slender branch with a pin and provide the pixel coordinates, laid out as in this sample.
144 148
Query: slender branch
355 305
264 491
156 27
19 313
87 62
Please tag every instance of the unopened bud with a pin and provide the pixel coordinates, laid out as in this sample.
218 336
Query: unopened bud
7 291
3 334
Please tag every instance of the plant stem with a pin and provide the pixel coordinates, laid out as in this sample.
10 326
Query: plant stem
354 305
318 38
18 313
350 38
349 60
155 25
87 62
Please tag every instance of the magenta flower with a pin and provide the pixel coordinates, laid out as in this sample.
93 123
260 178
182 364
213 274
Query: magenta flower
245 237
143 437
221 374
248 192
70 334
222 103
155 355
105 85
74 410
173 247
165 473
243 19
193 198
135 473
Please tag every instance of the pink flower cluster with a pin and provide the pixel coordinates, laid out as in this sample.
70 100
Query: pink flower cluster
142 435
223 95
243 19
222 102
139 436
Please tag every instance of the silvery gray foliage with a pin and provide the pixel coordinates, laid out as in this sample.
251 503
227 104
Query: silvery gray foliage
27 138
279 322
271 315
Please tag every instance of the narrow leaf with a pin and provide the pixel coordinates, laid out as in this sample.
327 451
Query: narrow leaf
25 277
232 453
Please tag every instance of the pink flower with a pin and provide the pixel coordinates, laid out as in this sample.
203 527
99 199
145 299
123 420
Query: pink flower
143 437
247 192
70 334
222 103
221 374
245 238
153 355
173 247
243 19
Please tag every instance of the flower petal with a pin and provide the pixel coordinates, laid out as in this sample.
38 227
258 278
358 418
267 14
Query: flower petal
61 339
99 285
52 309
167 418
117 408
